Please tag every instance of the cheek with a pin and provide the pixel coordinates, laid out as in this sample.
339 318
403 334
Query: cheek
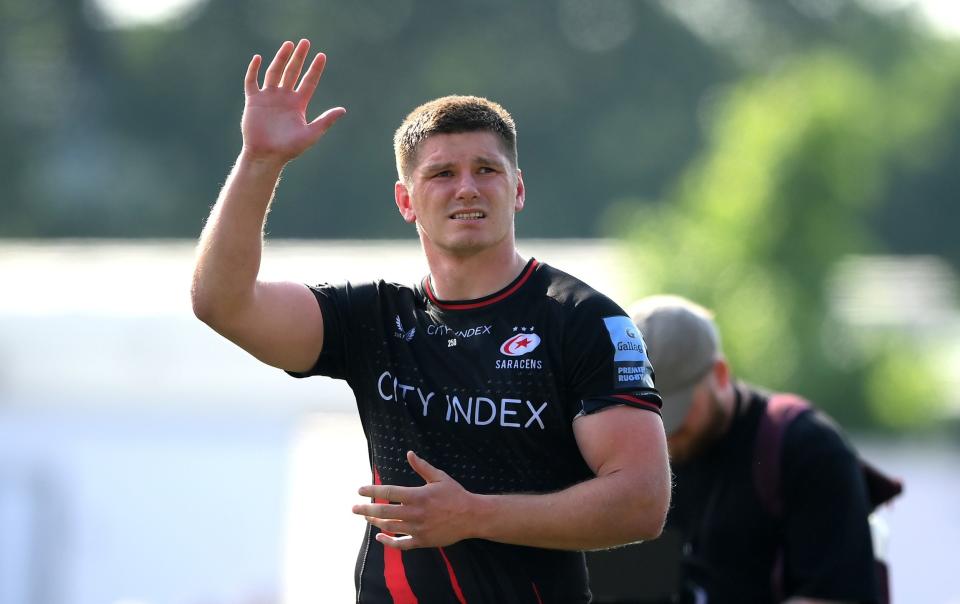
693 426
696 420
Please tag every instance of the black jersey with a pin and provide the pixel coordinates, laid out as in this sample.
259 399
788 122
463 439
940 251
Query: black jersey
732 542
486 390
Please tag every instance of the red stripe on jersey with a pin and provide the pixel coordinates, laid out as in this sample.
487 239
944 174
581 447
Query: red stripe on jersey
536 592
428 288
633 400
453 578
393 571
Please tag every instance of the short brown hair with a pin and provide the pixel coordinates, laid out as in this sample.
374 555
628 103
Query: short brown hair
451 115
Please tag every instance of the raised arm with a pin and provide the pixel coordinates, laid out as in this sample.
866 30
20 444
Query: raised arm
277 322
626 502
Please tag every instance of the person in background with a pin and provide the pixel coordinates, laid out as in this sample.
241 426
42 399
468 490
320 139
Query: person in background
817 548
509 409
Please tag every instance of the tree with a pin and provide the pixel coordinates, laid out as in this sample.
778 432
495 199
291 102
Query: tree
796 161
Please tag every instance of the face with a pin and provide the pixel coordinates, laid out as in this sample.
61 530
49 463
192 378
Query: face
704 423
462 193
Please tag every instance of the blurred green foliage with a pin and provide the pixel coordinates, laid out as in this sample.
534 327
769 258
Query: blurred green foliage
798 159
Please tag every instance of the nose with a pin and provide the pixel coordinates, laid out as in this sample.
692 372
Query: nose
467 187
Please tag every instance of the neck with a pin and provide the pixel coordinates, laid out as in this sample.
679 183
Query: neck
472 276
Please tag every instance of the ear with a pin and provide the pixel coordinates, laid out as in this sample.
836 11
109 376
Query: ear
721 373
521 193
402 196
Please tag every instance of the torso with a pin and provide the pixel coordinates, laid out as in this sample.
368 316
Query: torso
486 390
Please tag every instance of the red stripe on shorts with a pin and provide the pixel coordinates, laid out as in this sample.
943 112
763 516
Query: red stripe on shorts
393 572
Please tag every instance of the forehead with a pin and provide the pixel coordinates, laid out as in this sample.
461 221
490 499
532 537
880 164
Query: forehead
459 147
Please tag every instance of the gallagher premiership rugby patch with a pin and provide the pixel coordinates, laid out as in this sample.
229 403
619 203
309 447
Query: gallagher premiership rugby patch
630 353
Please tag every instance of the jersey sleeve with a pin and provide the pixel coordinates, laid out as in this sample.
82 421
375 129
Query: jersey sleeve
607 360
828 550
344 307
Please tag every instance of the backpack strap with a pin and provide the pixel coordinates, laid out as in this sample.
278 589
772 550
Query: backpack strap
780 412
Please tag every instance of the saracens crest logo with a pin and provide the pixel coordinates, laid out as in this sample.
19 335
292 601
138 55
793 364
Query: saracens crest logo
404 334
520 344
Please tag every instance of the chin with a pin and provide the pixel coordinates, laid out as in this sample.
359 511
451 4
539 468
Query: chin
464 246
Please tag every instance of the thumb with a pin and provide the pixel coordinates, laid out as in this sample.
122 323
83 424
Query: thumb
424 469
320 124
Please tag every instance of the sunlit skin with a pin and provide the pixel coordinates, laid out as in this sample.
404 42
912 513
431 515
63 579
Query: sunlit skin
709 417
463 193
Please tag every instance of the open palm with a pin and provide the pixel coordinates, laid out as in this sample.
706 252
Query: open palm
274 124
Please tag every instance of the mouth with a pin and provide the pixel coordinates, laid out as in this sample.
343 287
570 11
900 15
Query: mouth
468 215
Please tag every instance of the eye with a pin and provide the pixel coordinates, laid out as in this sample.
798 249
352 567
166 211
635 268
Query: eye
443 174
486 170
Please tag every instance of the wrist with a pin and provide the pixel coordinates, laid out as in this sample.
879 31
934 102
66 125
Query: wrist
267 162
483 510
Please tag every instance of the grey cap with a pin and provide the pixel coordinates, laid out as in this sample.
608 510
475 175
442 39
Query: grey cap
682 343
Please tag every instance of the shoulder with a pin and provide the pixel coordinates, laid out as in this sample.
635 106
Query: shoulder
574 295
804 432
815 451
365 298
814 434
368 289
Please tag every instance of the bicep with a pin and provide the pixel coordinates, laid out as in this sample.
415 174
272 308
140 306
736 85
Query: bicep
624 438
282 326
626 448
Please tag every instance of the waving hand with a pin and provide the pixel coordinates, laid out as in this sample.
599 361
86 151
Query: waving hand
274 124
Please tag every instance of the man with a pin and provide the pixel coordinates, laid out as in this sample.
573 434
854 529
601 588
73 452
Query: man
509 410
819 549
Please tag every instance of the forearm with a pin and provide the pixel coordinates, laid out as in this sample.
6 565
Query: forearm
230 247
602 512
626 501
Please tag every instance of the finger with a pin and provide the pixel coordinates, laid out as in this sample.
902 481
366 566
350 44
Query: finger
394 527
404 542
275 70
424 469
310 79
292 71
387 493
250 84
381 510
322 123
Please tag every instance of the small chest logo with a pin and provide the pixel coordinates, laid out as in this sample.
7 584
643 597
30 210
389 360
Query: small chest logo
402 333
520 344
